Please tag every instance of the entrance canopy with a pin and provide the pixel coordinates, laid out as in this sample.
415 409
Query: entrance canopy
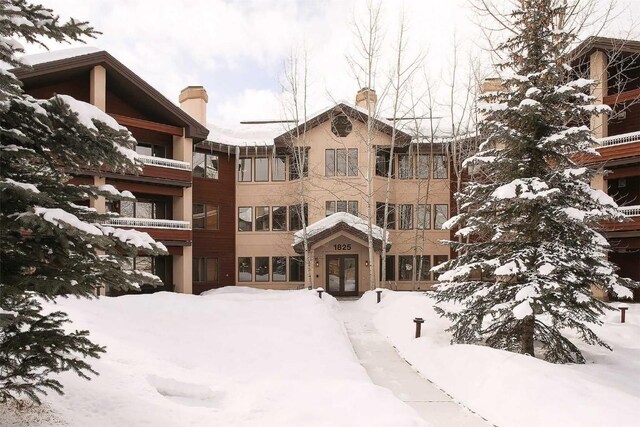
340 221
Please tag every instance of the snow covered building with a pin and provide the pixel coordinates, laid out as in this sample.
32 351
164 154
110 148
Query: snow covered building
615 64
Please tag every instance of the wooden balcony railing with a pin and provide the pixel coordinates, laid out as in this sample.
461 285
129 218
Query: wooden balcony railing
165 163
630 210
149 223
624 138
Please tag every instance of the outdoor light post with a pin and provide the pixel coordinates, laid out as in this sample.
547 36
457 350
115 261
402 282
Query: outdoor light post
320 291
623 308
379 293
418 321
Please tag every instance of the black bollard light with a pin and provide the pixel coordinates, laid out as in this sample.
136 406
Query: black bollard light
320 291
418 321
378 296
623 308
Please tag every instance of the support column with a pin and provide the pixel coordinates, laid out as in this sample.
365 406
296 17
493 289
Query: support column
99 204
182 211
598 71
98 87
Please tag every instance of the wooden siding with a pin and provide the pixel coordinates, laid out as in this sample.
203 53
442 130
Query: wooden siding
76 86
148 125
166 235
219 243
139 187
631 123
632 225
612 152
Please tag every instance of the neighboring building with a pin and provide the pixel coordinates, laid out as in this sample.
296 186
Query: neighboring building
616 65
165 136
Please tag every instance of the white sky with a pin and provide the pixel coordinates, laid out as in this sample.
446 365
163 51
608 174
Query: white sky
236 49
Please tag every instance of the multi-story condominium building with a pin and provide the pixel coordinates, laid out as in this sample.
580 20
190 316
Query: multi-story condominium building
615 64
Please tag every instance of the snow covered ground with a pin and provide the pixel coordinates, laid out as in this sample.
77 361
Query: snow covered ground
234 357
512 390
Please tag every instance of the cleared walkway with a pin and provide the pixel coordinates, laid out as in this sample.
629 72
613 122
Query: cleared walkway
387 369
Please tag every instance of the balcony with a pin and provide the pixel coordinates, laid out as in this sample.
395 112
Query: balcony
623 149
633 225
630 210
170 232
625 138
164 163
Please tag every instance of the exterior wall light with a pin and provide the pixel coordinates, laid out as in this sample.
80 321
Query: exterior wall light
317 263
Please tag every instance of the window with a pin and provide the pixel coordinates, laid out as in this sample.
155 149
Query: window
383 162
406 267
278 168
279 218
279 268
441 215
391 215
329 162
424 217
296 269
440 167
341 162
245 271
295 217
151 209
390 267
437 260
333 206
262 220
262 169
262 269
150 149
405 166
422 166
341 126
244 170
298 158
205 216
205 165
405 217
205 269
245 219
423 267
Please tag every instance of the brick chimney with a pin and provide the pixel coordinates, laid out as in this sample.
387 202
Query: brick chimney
491 84
193 100
361 98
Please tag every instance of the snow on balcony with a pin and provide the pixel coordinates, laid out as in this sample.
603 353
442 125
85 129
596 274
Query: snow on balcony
630 210
624 138
164 163
149 223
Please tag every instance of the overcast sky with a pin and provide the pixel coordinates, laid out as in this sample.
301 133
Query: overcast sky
236 49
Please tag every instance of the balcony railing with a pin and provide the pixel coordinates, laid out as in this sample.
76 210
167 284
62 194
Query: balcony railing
624 138
165 163
150 223
630 210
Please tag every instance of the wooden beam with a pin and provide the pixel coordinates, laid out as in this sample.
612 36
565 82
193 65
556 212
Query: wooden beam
146 124
618 98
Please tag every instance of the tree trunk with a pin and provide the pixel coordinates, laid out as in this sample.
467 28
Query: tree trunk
527 328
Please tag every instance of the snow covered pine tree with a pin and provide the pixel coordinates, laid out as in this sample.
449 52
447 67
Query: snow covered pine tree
50 243
523 274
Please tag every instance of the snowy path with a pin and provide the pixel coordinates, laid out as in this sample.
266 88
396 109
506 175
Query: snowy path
387 369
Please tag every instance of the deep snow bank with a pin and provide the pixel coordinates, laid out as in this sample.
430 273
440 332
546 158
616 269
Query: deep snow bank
515 390
234 357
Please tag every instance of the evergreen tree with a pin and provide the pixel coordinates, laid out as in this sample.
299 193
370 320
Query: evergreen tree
51 242
531 253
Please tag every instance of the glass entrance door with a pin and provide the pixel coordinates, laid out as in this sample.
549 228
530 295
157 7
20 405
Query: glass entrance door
342 275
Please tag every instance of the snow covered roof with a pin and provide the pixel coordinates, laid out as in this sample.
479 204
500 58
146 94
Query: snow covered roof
340 221
254 135
56 55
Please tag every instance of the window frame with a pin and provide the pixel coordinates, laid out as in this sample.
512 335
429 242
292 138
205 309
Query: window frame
436 170
411 174
402 216
242 166
255 269
424 258
284 168
250 215
273 269
250 269
400 268
426 225
255 218
301 265
206 168
435 215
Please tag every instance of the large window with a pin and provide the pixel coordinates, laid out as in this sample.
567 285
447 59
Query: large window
423 268
279 268
262 269
262 169
278 168
422 166
150 149
390 267
262 219
151 209
341 162
437 260
245 270
244 169
279 218
391 215
205 269
245 219
205 165
296 214
441 216
406 267
405 166
383 162
296 269
440 170
205 216
423 219
333 206
405 213
298 162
